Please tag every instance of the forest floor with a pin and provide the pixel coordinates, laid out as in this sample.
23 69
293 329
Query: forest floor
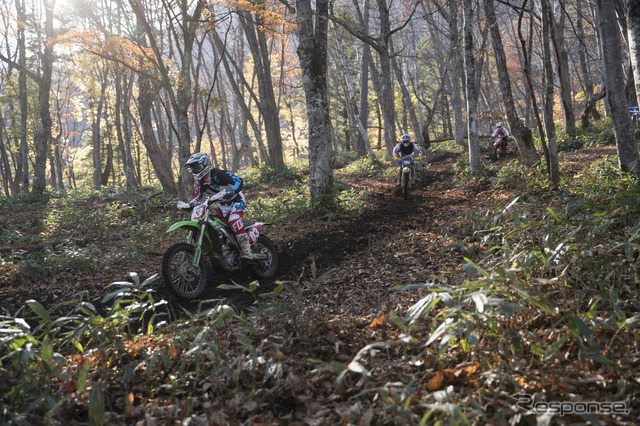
354 251
351 265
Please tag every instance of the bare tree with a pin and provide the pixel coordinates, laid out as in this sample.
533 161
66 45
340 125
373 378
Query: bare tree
633 28
381 44
183 25
312 27
472 96
614 78
522 133
556 31
42 139
549 125
254 31
23 168
362 143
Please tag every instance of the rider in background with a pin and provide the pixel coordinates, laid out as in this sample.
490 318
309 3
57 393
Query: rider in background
404 149
209 181
501 132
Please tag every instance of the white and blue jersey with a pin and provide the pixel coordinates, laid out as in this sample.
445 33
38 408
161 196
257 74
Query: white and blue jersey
219 180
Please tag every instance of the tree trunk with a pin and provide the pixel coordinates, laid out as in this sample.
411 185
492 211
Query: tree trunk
549 125
190 25
227 62
472 97
57 156
556 31
5 168
521 133
590 107
415 125
387 101
584 67
42 139
312 52
161 164
268 108
351 105
614 78
363 140
457 77
633 28
95 138
22 172
122 130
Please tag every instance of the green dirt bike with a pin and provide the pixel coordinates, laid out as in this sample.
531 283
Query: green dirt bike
211 245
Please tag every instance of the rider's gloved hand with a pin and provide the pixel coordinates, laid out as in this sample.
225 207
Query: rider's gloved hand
183 206
229 195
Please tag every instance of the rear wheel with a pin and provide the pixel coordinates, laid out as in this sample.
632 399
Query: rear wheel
406 184
182 278
267 265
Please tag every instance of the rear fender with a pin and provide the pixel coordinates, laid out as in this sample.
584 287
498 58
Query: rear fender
254 230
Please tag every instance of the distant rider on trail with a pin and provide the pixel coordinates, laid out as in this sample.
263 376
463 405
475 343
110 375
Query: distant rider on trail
501 132
406 148
210 181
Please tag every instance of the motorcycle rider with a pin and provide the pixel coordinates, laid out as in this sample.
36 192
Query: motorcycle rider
208 181
501 132
403 149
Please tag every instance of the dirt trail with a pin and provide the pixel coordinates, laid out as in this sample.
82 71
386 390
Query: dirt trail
334 246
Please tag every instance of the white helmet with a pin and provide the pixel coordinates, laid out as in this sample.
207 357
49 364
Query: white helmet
199 165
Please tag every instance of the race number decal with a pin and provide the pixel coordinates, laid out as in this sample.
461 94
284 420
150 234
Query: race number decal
254 233
199 212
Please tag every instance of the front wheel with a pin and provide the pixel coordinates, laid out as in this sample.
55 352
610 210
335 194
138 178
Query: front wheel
406 184
500 151
182 278
267 262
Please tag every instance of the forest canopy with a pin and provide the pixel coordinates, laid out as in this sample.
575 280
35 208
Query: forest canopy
115 93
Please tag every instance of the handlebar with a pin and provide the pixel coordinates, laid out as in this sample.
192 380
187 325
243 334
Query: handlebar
211 199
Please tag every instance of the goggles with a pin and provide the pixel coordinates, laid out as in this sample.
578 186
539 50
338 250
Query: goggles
195 168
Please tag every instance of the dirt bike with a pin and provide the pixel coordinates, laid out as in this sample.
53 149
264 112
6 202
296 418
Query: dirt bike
212 245
500 147
408 169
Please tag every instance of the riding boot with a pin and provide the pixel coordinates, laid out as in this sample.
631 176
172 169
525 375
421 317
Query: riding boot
245 247
399 177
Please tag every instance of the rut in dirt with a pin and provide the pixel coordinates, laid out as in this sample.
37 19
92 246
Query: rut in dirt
389 213
328 246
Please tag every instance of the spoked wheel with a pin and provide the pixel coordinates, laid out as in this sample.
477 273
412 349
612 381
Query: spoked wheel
500 152
266 265
182 278
406 185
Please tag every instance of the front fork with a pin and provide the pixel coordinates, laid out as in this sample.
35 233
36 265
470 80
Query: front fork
198 243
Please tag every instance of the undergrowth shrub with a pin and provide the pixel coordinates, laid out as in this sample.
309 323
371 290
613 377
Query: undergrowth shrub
599 133
516 176
263 176
48 359
293 203
84 234
362 166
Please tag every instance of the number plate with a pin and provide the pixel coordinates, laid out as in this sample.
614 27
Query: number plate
199 212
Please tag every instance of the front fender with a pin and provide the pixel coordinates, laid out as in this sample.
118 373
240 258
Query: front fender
190 225
185 223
